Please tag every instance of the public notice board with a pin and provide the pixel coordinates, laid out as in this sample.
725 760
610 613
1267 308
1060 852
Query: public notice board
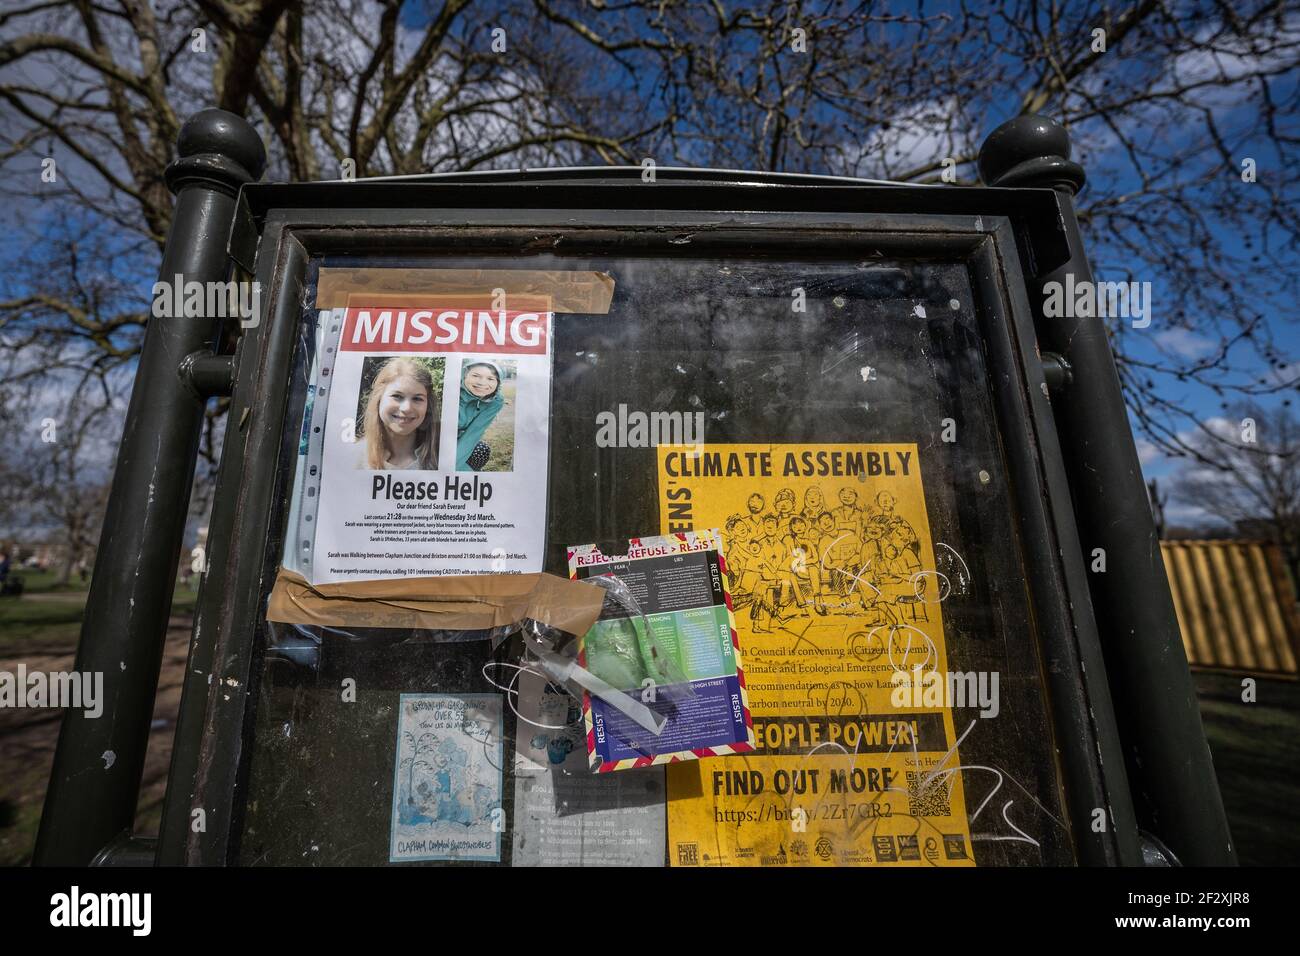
853 580
836 597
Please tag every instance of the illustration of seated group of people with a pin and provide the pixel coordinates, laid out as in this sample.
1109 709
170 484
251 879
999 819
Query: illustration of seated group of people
857 558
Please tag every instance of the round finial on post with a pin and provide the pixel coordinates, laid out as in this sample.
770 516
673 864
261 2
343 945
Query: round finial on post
1032 151
219 149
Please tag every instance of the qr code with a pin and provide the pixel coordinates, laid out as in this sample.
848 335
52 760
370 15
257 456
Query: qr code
927 798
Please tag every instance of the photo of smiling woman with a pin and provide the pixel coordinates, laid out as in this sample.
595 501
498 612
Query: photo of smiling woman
485 426
398 413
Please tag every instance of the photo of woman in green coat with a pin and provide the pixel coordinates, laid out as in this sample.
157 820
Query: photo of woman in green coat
481 400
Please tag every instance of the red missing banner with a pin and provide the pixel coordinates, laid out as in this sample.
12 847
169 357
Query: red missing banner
388 329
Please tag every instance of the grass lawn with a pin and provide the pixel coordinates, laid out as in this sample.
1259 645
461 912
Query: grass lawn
39 626
38 582
49 621
1256 749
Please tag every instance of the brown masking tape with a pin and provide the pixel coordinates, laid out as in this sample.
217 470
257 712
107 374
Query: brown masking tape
468 603
577 291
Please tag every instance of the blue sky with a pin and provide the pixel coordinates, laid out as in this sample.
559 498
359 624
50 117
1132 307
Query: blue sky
1110 175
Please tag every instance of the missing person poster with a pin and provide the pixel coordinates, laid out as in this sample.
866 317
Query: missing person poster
433 449
447 779
666 638
837 605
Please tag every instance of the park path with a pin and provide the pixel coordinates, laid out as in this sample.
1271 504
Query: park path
28 738
62 597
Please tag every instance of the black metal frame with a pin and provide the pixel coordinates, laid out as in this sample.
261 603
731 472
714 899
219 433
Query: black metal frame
250 496
94 786
1016 239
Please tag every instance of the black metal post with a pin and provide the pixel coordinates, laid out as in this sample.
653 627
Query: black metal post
95 783
1168 760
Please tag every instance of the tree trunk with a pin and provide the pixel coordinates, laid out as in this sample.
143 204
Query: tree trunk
65 567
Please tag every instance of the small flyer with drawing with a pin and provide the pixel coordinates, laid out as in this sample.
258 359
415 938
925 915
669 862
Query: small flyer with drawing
447 779
669 643
434 437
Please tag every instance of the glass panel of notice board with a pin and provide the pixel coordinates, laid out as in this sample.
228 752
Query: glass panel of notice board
833 419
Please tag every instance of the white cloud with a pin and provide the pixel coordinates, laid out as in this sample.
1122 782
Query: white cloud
1233 57
1287 374
1229 429
1184 343
1184 515
917 137
1226 71
1148 452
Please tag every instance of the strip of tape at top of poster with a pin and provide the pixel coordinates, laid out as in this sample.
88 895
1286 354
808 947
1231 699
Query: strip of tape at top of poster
585 292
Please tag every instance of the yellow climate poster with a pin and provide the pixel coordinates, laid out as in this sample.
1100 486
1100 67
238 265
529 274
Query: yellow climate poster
838 609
